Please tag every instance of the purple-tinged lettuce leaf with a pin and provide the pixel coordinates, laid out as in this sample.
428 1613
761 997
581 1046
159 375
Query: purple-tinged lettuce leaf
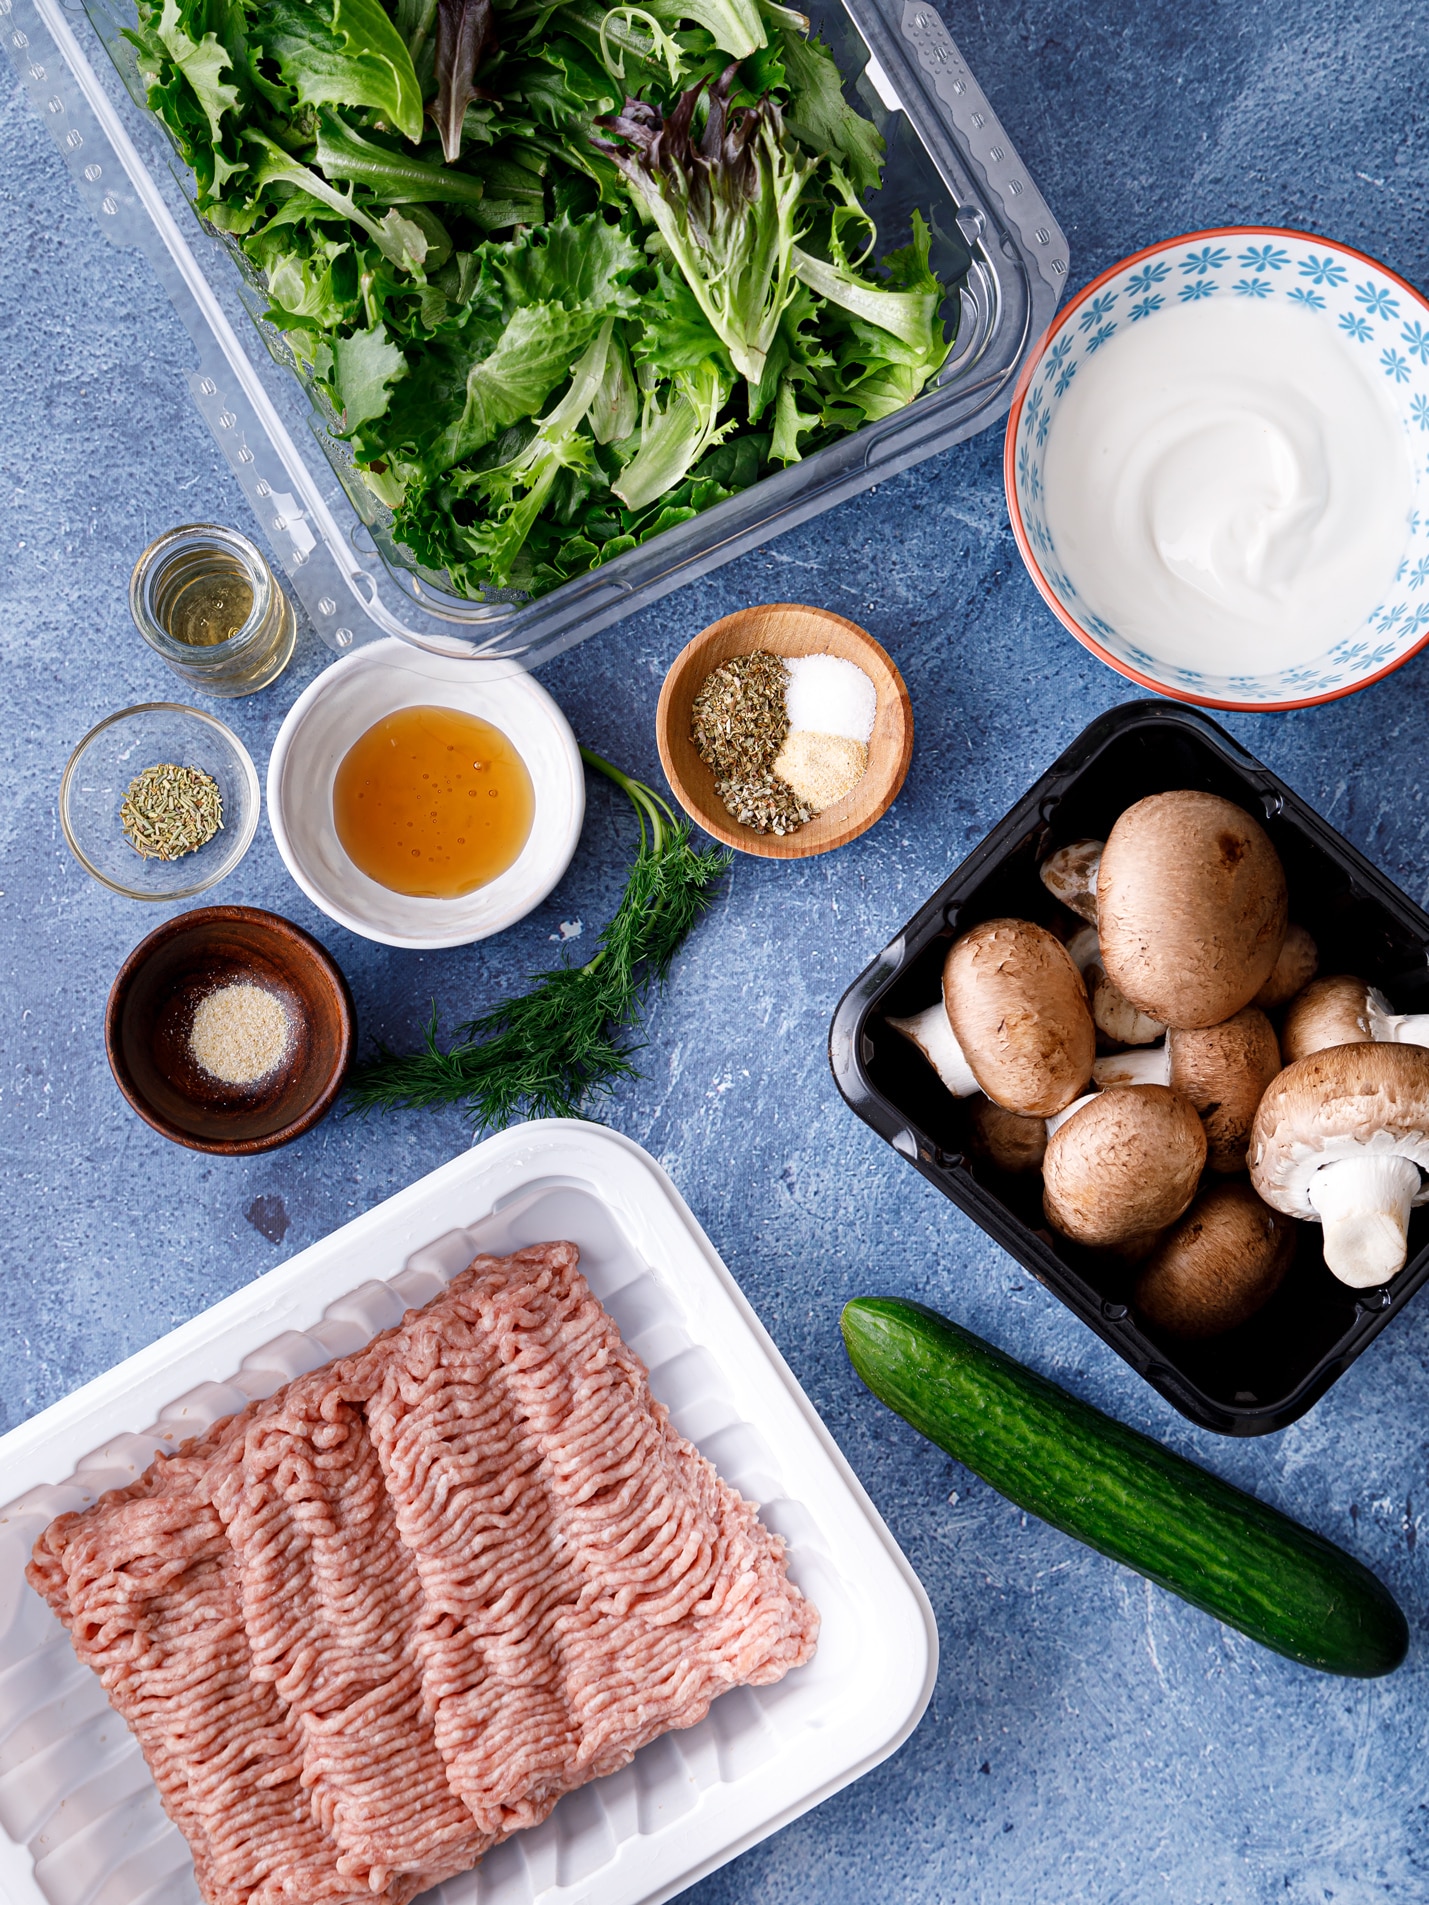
725 204
464 37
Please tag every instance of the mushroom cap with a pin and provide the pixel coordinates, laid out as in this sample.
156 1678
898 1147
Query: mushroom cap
1004 1139
1221 1263
1296 966
1333 1011
1018 1008
1225 1070
1127 1163
1365 1100
1191 907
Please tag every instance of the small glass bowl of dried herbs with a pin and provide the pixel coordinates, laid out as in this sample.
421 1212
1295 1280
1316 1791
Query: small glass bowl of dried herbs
159 802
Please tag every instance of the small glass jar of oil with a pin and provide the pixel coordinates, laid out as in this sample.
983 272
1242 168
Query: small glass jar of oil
204 598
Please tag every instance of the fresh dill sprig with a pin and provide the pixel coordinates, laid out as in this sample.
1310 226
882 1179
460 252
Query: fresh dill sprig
553 1049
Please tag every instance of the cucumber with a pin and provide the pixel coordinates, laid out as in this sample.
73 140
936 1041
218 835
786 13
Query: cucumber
1121 1493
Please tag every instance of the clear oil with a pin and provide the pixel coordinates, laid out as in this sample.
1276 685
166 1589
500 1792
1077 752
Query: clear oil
433 802
204 597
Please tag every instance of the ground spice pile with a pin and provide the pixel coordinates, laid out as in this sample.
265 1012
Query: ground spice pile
169 811
240 1034
738 725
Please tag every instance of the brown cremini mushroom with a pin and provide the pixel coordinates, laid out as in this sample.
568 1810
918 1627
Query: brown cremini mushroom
1124 1164
1342 1139
1014 1022
1019 1011
1005 1140
1218 1266
1070 875
1115 1018
1342 1010
1223 1069
1296 966
1191 907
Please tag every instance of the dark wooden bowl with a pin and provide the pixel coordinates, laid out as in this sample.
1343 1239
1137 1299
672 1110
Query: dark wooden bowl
151 1011
785 628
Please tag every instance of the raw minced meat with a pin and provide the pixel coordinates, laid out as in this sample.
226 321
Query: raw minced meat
389 1615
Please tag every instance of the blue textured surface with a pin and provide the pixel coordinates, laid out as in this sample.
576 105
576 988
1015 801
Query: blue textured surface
1091 1738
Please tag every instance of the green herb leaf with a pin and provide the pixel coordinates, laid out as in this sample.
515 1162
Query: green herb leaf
552 1050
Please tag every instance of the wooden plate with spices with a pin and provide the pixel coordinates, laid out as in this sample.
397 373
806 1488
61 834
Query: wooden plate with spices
229 1030
791 631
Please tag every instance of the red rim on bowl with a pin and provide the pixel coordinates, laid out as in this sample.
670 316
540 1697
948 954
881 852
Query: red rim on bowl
1014 510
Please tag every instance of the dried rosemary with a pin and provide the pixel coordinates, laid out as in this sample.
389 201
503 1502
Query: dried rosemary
738 724
170 811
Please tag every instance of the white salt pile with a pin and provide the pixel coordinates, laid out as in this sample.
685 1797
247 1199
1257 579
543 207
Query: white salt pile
829 695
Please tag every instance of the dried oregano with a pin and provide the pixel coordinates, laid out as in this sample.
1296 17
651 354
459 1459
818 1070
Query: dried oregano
738 725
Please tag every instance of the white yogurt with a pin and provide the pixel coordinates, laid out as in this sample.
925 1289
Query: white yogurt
1226 487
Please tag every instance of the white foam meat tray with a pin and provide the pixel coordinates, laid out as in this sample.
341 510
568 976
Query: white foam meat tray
80 1820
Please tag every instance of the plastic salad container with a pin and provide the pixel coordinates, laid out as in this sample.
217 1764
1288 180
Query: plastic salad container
1269 1371
947 155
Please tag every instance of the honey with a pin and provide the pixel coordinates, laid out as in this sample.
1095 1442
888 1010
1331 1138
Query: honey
433 802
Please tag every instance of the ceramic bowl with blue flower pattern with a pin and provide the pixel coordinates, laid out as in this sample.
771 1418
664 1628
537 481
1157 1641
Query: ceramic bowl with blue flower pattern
1369 311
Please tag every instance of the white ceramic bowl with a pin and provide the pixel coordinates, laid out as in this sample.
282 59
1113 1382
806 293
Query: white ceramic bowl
342 704
1374 316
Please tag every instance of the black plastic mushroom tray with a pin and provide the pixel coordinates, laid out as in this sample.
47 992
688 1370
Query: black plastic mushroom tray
1270 1370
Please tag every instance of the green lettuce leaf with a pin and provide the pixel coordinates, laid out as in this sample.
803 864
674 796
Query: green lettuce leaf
397 238
583 261
391 176
675 435
734 25
364 366
880 368
819 116
201 62
534 354
615 407
910 316
349 56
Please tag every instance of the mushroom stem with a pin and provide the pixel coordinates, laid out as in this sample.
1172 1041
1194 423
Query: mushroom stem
1149 1066
938 1042
1363 1203
1059 1118
1395 1028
